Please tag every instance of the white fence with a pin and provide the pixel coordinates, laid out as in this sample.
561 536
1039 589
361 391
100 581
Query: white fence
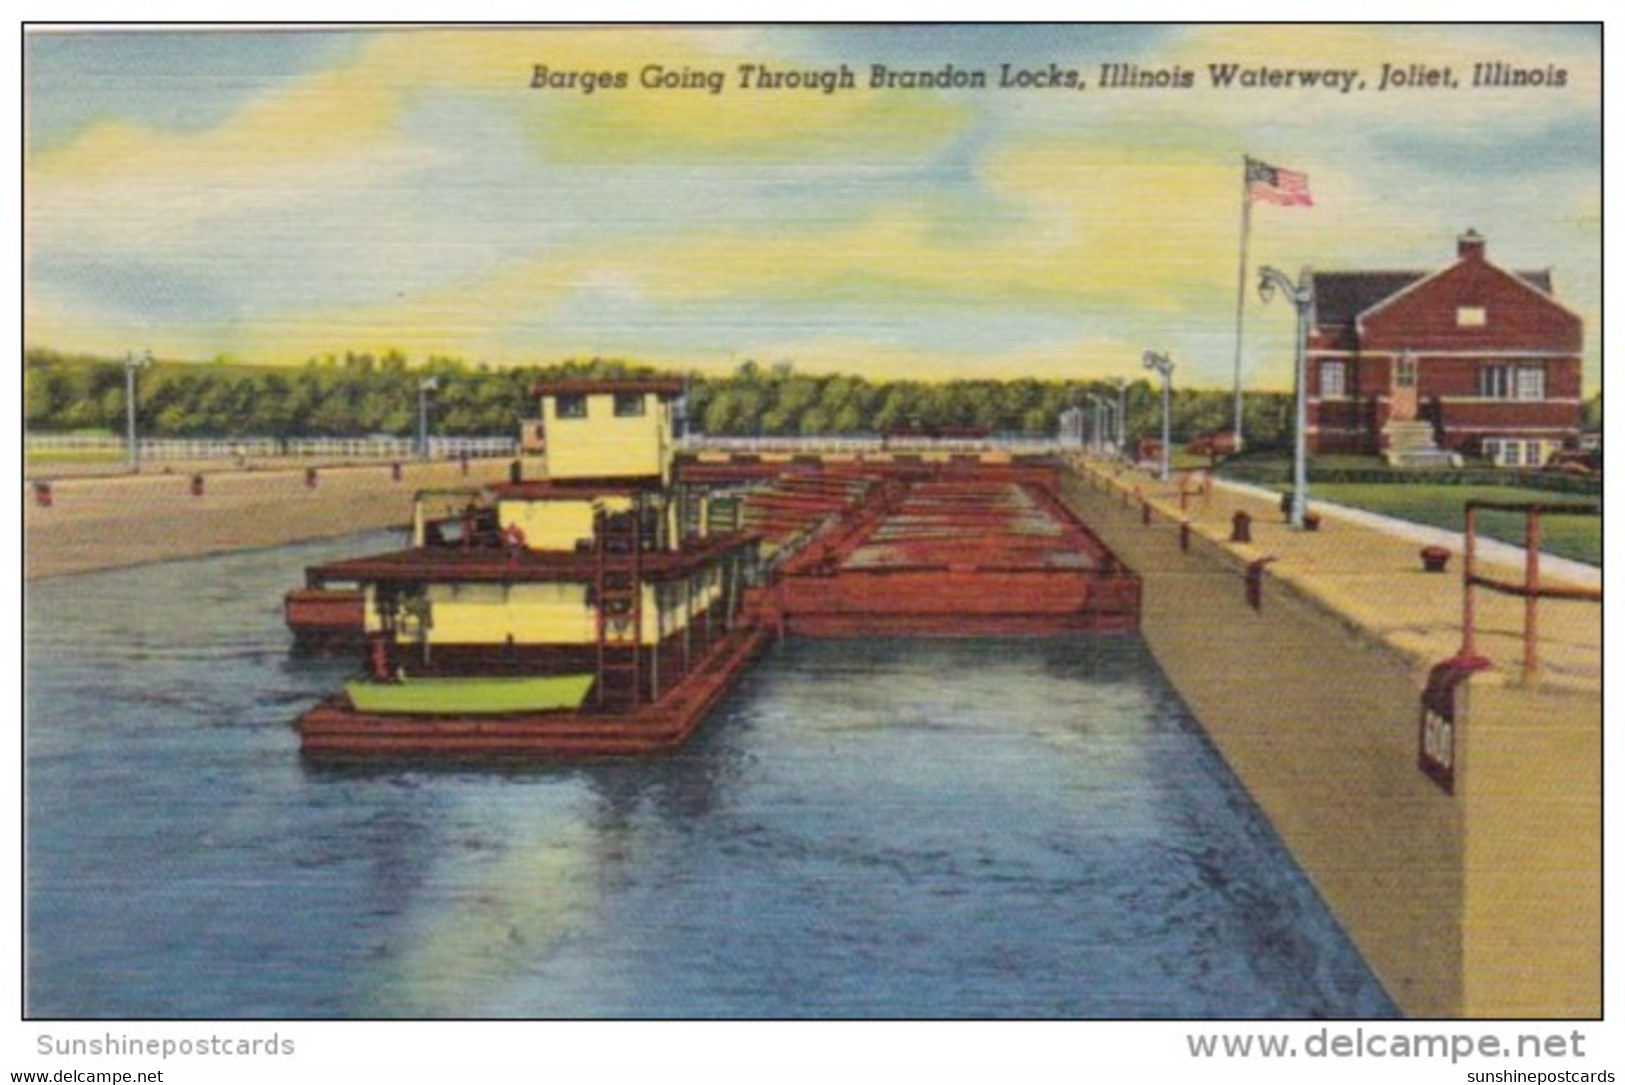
697 442
384 448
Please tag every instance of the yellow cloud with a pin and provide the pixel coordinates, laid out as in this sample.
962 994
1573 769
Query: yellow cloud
317 115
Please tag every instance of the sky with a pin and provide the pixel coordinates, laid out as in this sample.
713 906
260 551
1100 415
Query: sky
275 195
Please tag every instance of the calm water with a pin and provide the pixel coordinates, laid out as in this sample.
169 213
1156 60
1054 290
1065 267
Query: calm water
907 829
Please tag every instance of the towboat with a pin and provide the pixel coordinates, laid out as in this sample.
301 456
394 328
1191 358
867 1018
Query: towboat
600 610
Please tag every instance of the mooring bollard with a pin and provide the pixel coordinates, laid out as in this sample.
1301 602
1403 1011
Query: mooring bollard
516 471
1255 583
1241 528
197 485
1185 535
1434 559
1145 511
395 470
42 495
310 478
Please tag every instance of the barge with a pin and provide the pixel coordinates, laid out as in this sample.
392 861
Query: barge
605 609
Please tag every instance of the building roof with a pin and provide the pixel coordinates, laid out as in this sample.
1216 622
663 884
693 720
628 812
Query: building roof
1341 296
573 489
665 387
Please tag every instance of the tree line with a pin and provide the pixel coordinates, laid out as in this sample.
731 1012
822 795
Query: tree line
360 394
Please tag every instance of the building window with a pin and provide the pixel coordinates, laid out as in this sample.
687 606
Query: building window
1406 377
1332 385
1471 316
1495 382
1531 454
1531 383
628 404
572 406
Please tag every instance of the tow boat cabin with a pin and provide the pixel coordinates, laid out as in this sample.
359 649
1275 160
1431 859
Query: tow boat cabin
586 574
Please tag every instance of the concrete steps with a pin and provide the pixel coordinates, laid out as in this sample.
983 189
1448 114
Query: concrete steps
1410 444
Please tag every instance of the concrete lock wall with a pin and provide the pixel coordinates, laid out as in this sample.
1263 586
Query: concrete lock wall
1532 766
1485 903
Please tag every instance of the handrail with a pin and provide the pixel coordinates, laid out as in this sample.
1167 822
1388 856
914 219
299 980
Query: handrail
1531 590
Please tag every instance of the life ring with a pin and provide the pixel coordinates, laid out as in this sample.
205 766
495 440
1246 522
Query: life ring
513 537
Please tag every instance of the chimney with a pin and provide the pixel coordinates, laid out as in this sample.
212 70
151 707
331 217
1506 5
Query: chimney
1470 245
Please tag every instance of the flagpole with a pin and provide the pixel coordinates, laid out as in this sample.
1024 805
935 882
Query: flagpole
1241 280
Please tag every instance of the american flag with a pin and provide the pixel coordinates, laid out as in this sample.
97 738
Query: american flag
1278 186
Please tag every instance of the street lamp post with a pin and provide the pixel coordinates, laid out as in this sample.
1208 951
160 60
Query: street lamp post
1164 365
131 364
1300 294
1122 415
1107 422
430 385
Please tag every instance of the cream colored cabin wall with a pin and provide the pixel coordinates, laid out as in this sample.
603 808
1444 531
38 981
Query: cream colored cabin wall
548 525
557 525
531 613
604 446
554 613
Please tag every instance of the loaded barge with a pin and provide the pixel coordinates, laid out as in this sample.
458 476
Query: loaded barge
606 609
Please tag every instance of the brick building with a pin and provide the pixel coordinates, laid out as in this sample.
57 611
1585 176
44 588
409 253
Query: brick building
1469 359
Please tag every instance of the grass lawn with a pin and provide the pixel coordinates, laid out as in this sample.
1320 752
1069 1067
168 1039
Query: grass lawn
56 456
1577 537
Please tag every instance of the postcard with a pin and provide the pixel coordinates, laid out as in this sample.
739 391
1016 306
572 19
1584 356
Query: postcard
1083 523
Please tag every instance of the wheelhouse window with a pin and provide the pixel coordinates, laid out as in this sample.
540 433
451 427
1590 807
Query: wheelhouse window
629 405
1333 383
572 406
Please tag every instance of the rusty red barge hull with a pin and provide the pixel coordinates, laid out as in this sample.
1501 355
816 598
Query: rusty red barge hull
335 728
958 552
326 619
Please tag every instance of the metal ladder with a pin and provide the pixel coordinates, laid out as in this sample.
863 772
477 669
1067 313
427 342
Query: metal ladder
618 587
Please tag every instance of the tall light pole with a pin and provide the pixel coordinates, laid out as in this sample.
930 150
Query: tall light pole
1300 294
1164 365
1099 424
430 385
1122 415
131 363
1105 411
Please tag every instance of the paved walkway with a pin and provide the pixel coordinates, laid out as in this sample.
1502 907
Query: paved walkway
1367 570
1492 550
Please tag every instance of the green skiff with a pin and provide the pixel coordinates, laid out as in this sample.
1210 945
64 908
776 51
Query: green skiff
470 696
